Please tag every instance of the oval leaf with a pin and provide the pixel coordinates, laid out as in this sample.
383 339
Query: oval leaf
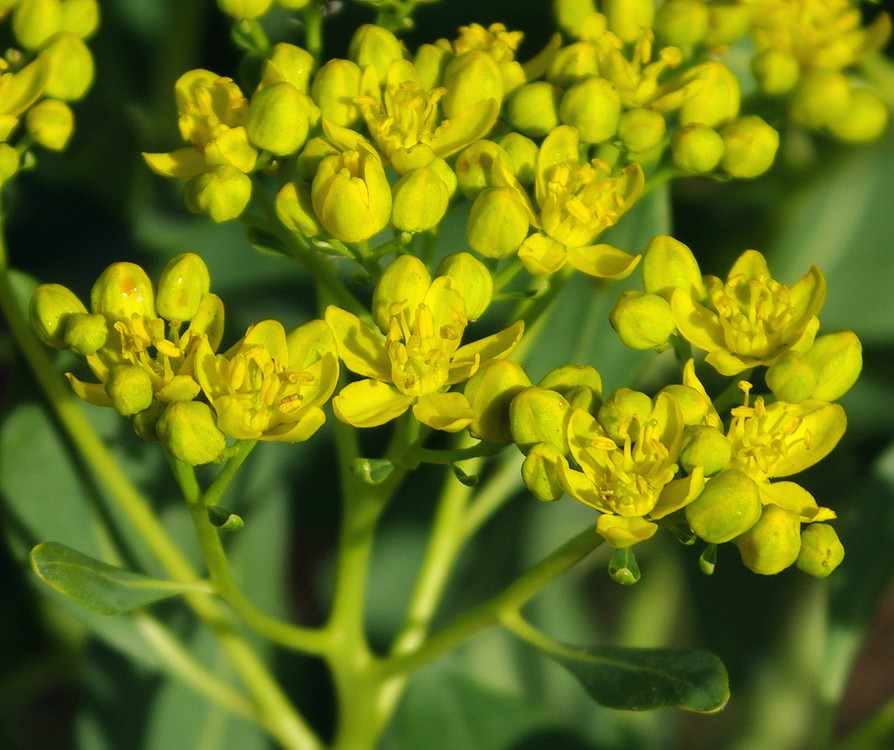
98 586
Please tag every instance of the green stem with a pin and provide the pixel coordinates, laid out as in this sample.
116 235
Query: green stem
313 30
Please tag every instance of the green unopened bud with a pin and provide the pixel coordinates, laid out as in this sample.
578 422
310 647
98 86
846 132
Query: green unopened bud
865 119
472 278
641 129
51 305
522 152
791 378
624 413
749 147
279 119
430 62
696 148
706 447
580 384
86 333
375 46
821 550
669 264
773 543
533 108
572 64
469 78
716 100
538 415
405 279
540 472
628 18
80 17
351 196
729 505
183 282
681 23
122 291
477 164
693 405
837 359
70 66
9 162
311 155
35 22
570 14
419 200
294 208
593 106
222 193
292 4
727 23
130 388
490 391
820 98
642 320
244 10
335 88
50 123
290 64
498 223
189 430
776 71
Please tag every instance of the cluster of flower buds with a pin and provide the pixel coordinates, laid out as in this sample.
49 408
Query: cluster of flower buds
53 66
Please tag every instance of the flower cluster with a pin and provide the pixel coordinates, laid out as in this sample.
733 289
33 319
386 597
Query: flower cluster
53 67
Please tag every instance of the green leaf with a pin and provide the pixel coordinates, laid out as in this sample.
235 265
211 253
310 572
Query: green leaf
649 678
96 585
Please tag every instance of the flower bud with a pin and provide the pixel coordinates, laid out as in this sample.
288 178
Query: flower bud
624 413
35 22
183 282
706 447
335 87
572 64
729 505
593 106
279 119
295 210
837 359
189 430
50 123
641 129
865 119
693 405
580 384
419 200
533 108
86 333
80 17
9 162
522 153
669 264
477 164
221 193
773 543
130 388
642 320
696 148
430 62
540 472
70 68
628 18
498 223
311 155
471 77
351 195
682 23
490 392
776 71
405 281
122 291
714 102
749 147
51 305
821 551
244 10
209 320
727 23
791 378
376 46
820 98
570 14
538 415
472 279
290 64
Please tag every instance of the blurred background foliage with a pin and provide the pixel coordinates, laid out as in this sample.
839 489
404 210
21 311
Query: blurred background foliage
806 658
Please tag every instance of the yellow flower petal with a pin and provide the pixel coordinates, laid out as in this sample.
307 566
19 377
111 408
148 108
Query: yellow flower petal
792 496
541 254
696 323
470 357
369 403
183 162
603 261
449 412
624 532
361 348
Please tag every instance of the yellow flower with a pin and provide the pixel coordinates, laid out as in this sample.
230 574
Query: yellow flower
416 354
750 319
18 91
577 202
271 385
